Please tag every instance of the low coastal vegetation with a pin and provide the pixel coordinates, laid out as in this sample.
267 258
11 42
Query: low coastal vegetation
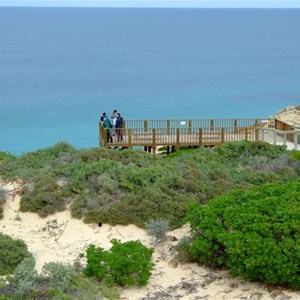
241 200
2 201
12 252
255 233
125 264
55 281
132 187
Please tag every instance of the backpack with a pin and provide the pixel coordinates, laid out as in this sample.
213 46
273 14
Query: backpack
106 123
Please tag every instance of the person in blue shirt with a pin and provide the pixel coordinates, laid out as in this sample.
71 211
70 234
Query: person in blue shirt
119 126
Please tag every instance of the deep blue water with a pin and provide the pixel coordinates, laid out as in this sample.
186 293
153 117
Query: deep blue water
60 68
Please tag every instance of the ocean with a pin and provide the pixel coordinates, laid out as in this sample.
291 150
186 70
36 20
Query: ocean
61 68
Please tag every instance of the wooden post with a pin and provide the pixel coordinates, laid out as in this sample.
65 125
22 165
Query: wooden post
123 128
190 127
222 135
105 134
168 126
168 150
246 133
212 124
256 134
145 126
235 126
153 140
129 138
200 137
100 133
256 130
177 139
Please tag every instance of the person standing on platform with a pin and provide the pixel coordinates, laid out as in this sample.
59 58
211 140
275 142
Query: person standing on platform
119 126
103 117
113 120
109 130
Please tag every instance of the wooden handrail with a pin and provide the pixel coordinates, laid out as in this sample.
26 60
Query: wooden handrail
177 133
190 123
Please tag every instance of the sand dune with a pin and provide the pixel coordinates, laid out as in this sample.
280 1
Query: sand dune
62 238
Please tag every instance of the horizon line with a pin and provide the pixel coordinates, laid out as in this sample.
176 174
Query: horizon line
154 7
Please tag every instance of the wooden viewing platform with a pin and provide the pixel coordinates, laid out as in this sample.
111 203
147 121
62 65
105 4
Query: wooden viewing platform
174 134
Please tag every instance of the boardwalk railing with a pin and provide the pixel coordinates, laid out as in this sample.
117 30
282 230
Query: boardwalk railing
177 133
191 123
284 137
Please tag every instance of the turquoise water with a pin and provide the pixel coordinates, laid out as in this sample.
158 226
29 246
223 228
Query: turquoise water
60 68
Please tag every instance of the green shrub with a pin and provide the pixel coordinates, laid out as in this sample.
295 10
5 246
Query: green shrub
46 197
122 187
157 229
125 264
236 150
2 201
44 157
254 233
58 275
23 280
12 252
57 281
183 249
29 164
5 156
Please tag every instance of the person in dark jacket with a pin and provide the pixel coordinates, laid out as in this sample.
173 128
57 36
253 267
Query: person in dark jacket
103 117
119 126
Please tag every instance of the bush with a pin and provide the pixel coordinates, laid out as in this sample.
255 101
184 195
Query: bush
57 281
31 163
184 249
24 277
2 201
125 264
123 187
58 275
254 233
46 197
235 150
157 229
12 252
44 158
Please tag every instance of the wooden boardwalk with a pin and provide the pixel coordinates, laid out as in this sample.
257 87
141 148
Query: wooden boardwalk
174 134
151 134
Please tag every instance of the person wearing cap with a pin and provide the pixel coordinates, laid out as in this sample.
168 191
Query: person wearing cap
103 117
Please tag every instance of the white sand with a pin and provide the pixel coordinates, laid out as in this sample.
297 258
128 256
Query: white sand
61 238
